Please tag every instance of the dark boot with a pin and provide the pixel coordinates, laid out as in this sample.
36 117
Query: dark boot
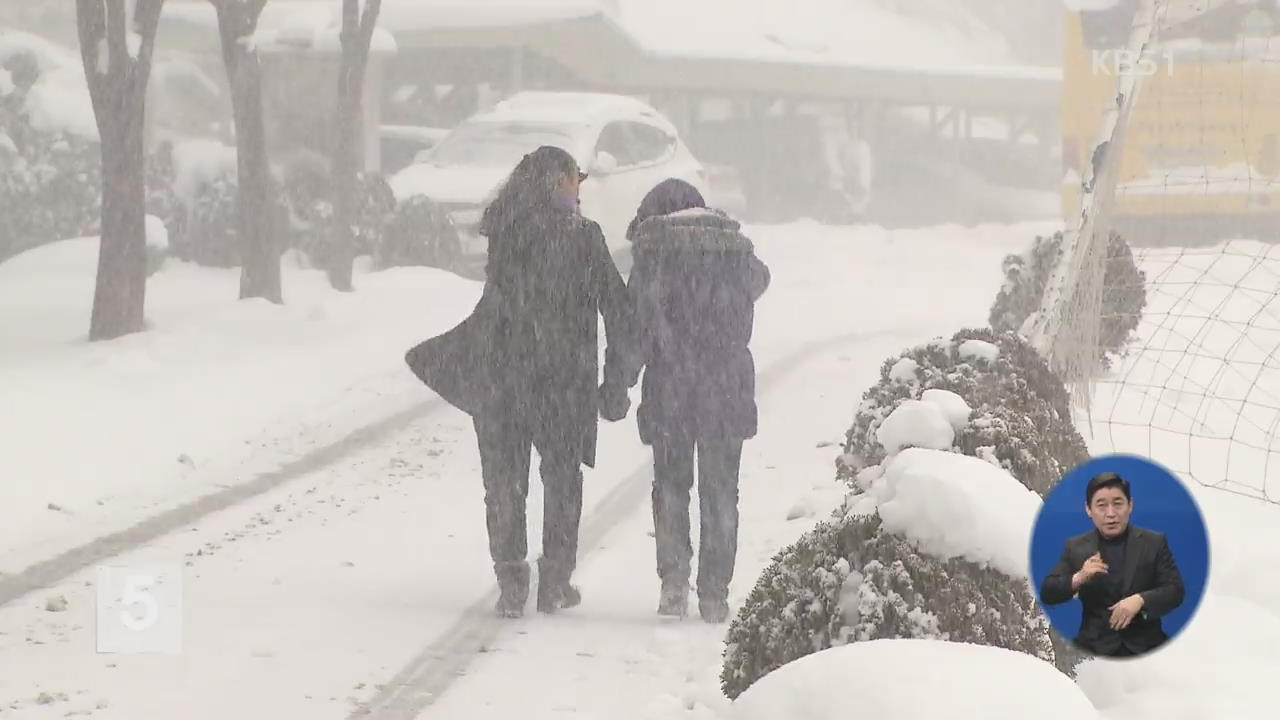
554 591
714 610
513 588
674 599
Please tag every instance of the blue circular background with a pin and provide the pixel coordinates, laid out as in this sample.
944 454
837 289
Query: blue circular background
1160 503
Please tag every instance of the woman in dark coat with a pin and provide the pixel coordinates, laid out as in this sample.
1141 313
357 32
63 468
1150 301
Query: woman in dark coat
524 365
694 285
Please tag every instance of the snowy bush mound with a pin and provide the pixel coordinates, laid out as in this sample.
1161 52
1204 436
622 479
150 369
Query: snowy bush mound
888 679
1124 294
982 393
49 179
307 197
302 218
213 239
934 548
420 232
947 461
50 174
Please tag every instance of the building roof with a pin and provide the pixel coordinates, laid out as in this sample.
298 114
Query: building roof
861 33
835 32
844 48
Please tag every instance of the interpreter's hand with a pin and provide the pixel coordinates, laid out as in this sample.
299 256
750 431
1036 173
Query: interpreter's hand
1093 567
1123 612
614 402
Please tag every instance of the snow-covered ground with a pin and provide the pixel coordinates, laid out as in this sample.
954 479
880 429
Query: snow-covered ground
361 582
1202 388
99 436
1199 394
236 388
965 682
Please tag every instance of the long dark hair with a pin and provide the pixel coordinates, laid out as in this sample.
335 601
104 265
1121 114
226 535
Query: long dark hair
531 186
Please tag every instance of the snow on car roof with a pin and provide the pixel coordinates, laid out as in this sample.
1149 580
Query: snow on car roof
414 133
570 108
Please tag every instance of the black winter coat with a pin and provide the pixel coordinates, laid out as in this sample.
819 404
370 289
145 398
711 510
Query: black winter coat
1149 570
694 285
529 351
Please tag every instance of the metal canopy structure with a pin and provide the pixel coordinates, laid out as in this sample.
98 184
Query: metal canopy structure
591 39
601 52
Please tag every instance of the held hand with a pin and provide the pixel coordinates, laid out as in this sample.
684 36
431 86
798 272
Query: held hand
1093 567
614 402
1123 612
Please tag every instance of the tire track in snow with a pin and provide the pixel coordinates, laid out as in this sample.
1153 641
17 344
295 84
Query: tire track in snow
54 570
426 677
49 572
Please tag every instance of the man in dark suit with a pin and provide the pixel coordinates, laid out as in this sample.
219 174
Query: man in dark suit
1125 576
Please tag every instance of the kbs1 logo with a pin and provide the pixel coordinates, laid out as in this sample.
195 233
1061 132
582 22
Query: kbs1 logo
1130 63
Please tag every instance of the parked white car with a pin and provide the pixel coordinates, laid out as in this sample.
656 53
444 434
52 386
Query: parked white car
402 145
625 145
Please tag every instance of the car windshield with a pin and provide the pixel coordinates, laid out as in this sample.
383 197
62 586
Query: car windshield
498 144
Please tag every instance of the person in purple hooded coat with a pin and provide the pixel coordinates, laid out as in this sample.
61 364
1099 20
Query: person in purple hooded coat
693 286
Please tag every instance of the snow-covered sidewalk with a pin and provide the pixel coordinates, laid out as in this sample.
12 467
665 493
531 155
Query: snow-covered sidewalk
101 435
327 587
311 598
614 657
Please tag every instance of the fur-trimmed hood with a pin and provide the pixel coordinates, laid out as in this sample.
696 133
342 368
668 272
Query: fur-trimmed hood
696 229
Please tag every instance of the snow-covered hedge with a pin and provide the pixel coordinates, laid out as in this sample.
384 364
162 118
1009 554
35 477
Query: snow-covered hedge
50 182
947 461
377 208
1020 411
419 233
212 237
312 215
934 548
162 199
303 213
1124 294
51 178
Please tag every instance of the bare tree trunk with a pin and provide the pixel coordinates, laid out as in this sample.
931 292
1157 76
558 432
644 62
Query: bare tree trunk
357 36
119 296
117 75
259 248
